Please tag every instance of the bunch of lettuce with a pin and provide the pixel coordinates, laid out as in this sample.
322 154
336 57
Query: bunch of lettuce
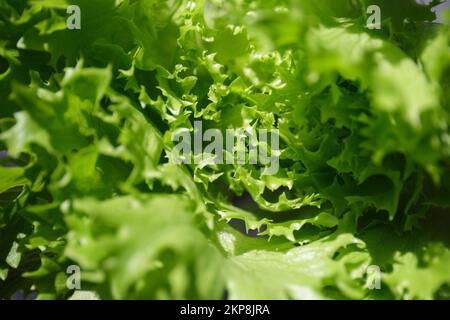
87 178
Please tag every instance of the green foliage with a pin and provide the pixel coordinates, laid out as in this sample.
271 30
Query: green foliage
87 178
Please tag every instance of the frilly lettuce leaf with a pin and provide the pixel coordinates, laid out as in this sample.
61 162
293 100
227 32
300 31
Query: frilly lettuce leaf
87 176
